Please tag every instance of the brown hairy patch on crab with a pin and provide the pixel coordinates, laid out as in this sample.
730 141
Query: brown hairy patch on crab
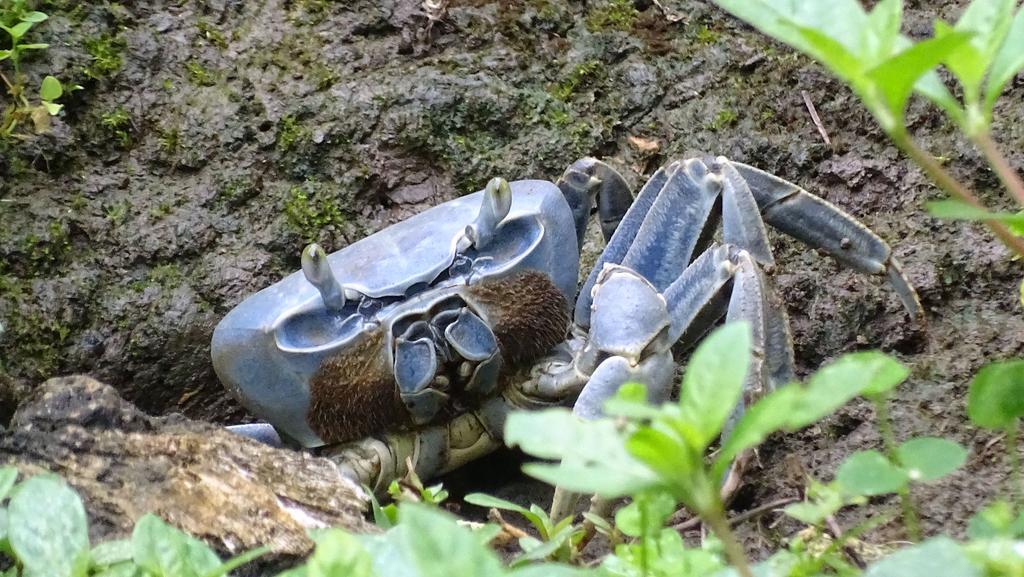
528 313
353 394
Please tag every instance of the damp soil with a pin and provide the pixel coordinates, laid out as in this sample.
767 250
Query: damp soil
212 139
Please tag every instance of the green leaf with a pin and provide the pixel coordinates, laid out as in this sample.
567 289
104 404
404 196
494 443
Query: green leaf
1008 61
167 552
5 54
883 30
593 454
841 20
959 210
895 78
996 396
930 458
987 21
338 553
111 552
19 29
822 501
430 543
121 570
768 415
870 473
996 519
52 108
869 373
47 527
938 557
34 17
50 89
33 46
646 514
8 475
484 500
713 383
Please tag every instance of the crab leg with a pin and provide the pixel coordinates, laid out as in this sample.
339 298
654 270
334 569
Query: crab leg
820 224
589 180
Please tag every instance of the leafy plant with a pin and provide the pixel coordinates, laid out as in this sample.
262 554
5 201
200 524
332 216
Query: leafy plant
557 538
44 533
867 51
17 21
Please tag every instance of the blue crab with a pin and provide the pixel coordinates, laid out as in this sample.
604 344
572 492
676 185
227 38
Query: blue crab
413 344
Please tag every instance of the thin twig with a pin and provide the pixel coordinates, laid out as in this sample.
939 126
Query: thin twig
816 118
1011 180
695 522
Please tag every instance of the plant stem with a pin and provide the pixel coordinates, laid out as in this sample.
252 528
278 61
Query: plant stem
954 188
889 440
733 550
1011 180
1011 455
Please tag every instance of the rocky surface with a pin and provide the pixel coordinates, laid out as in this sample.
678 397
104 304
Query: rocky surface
232 492
213 138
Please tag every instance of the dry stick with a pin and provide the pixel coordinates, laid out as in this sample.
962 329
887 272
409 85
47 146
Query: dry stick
1011 180
816 118
954 188
694 522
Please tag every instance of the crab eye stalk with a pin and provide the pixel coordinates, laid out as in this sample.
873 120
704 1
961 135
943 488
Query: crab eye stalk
318 272
494 208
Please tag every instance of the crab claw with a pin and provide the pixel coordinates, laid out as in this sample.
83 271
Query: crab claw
318 272
494 208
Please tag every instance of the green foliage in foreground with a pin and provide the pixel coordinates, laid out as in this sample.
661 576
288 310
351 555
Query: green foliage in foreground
654 455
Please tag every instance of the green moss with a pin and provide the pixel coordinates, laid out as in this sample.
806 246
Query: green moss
199 75
724 119
212 35
583 73
117 212
237 190
169 140
119 124
310 208
706 35
106 56
51 249
291 134
612 15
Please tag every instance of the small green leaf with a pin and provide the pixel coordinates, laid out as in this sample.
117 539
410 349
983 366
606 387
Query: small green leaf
930 458
167 552
996 396
33 46
938 557
996 519
34 17
987 21
896 77
646 514
5 54
1008 61
18 30
713 382
869 373
768 415
47 527
50 89
112 552
338 553
822 501
484 500
959 210
593 454
870 473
